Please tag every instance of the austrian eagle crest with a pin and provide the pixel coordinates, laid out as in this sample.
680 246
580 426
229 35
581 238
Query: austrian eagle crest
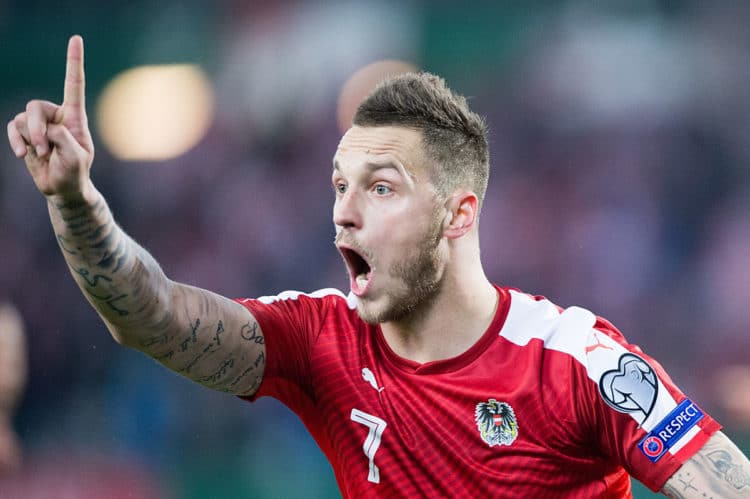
496 422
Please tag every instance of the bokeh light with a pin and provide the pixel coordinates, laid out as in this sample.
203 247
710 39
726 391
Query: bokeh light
155 112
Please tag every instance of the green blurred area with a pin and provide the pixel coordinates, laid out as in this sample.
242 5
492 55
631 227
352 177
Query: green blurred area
34 34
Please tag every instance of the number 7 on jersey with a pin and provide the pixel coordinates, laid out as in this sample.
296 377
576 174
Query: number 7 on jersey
376 426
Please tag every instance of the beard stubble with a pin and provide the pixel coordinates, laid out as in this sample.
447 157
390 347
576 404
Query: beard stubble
420 276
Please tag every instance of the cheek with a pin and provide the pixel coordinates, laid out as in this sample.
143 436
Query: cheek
400 237
401 232
405 242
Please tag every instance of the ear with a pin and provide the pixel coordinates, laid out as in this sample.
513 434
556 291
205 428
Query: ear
461 214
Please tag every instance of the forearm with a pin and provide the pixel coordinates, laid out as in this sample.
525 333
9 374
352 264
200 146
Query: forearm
199 334
119 278
718 469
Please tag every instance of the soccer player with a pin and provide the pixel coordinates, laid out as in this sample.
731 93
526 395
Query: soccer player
425 379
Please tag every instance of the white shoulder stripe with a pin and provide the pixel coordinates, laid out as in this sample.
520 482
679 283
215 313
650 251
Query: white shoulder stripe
320 293
572 332
531 319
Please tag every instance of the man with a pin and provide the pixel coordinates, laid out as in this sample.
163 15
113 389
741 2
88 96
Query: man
426 380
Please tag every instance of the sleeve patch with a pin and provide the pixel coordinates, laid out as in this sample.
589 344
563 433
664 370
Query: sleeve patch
670 430
631 388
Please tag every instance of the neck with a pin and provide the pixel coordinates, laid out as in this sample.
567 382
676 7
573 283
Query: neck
452 322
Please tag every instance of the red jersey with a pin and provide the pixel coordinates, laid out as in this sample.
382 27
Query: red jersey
547 403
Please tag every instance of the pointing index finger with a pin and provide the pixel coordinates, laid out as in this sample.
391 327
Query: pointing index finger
75 81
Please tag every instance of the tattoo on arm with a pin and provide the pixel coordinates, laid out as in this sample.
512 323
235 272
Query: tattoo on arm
218 374
194 329
234 372
63 242
159 339
109 300
219 330
110 257
91 281
250 333
209 349
254 368
718 469
683 486
95 250
202 336
731 472
165 356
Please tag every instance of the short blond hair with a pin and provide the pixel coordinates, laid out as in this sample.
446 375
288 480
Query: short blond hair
453 136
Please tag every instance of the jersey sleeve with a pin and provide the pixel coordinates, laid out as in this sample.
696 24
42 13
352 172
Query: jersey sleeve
636 413
290 323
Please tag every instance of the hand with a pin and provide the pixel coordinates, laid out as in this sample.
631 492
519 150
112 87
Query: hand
55 141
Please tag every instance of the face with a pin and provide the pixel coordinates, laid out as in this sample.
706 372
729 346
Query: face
388 221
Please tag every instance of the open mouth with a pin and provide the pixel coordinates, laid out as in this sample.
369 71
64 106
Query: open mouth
360 272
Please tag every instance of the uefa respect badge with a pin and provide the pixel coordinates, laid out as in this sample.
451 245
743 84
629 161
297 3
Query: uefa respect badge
670 430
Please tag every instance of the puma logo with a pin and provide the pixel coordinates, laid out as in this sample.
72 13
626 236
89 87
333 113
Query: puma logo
368 376
596 345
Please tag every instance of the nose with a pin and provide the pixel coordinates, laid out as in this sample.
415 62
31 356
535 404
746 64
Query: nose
346 211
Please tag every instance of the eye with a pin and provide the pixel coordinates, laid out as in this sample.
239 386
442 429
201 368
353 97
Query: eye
382 190
340 187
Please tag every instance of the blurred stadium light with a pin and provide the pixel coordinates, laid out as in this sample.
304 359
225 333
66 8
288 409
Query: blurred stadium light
155 112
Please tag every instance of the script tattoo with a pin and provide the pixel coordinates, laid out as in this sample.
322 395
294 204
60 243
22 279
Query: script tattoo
165 356
259 361
194 329
110 301
218 374
184 344
193 336
62 241
208 349
219 330
159 339
91 281
250 333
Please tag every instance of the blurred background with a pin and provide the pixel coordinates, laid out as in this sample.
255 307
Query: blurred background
620 141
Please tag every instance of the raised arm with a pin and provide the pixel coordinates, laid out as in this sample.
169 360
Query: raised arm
719 470
201 335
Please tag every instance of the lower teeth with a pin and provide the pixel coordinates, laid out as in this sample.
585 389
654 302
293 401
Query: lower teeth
361 281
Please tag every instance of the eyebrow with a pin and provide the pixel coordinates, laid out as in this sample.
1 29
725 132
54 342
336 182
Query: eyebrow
372 167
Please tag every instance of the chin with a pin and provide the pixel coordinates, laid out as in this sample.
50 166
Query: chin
384 309
393 310
370 314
